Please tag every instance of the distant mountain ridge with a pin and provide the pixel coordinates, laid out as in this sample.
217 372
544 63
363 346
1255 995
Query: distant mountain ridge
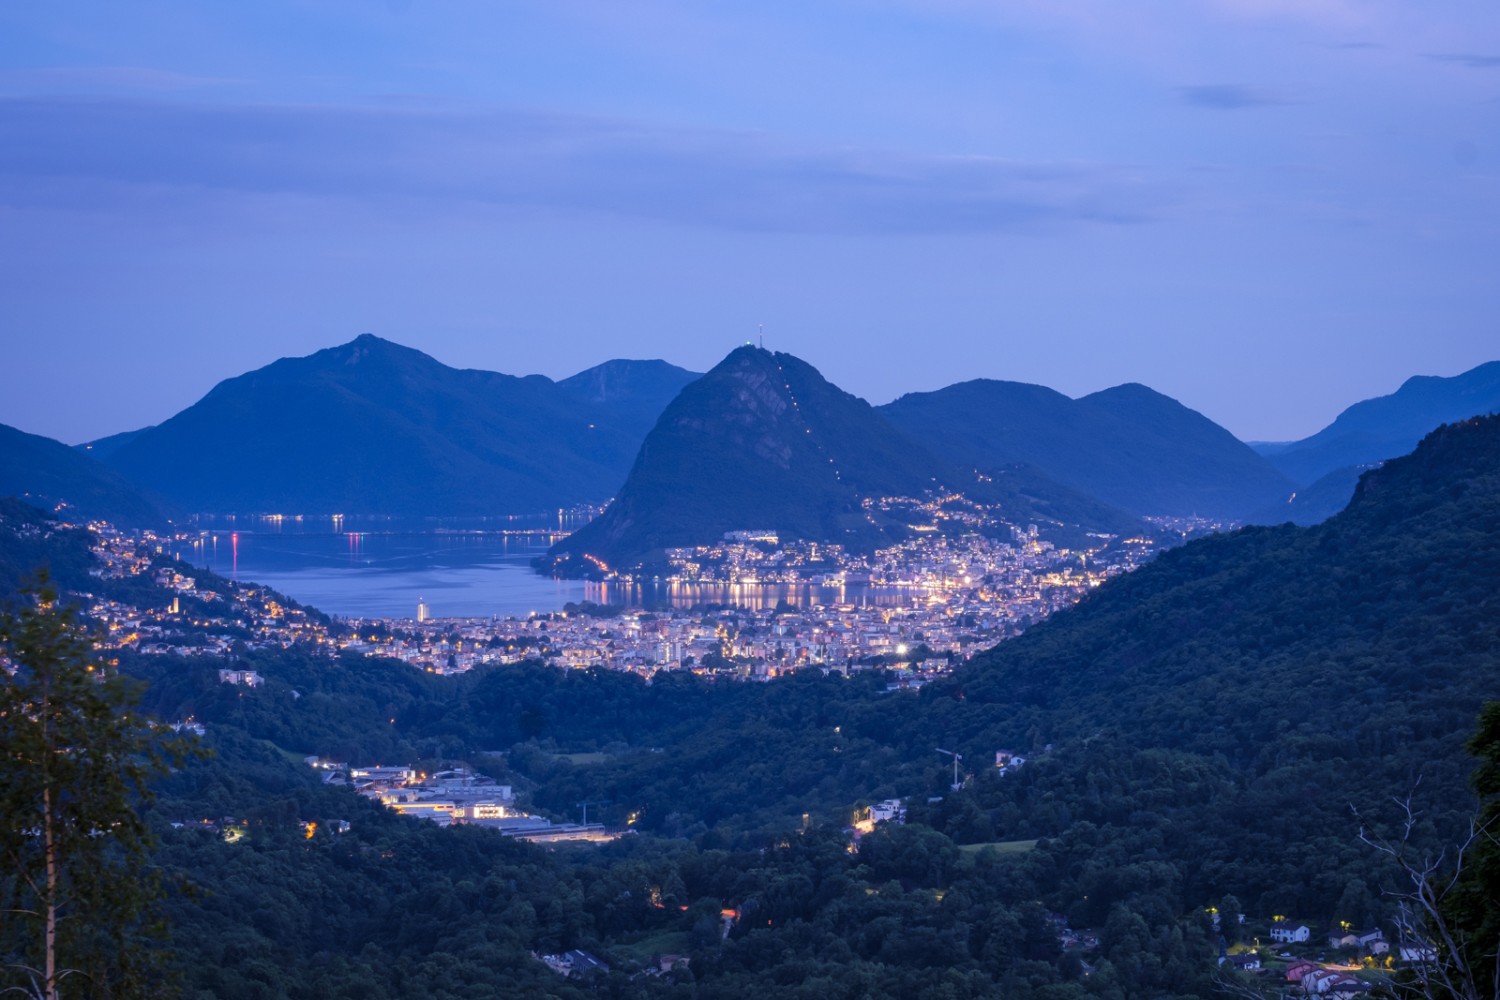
619 380
102 448
1376 429
633 393
371 426
374 427
45 473
1129 446
764 441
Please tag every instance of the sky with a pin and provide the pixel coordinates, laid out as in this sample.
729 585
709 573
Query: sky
1267 209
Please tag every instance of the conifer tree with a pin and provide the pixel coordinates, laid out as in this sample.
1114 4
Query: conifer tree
74 761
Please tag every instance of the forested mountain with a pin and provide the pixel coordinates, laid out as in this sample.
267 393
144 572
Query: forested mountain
761 441
1381 616
1386 426
47 472
373 427
1129 446
765 442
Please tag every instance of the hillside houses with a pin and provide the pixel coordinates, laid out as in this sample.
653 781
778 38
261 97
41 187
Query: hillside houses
1371 940
456 796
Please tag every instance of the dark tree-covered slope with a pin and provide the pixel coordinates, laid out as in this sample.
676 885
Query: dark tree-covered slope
1386 426
47 472
1129 446
1374 634
31 541
374 427
765 442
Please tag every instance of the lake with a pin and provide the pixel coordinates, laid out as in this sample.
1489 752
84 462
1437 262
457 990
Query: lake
474 568
382 567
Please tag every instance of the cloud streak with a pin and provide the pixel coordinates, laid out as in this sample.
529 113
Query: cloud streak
1467 59
139 78
1228 97
61 149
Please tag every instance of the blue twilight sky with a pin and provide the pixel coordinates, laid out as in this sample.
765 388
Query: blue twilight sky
1267 209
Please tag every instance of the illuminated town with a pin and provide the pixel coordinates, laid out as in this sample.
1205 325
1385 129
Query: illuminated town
749 607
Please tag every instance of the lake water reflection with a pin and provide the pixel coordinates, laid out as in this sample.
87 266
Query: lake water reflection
381 567
756 596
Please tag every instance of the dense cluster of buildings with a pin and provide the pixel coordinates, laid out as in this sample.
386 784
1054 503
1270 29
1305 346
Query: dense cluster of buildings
918 606
455 796
780 605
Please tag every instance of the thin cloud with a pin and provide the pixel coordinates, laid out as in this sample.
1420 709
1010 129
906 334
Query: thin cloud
1469 60
1228 97
112 78
80 150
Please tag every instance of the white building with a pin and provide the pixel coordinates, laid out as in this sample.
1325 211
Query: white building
249 678
1287 933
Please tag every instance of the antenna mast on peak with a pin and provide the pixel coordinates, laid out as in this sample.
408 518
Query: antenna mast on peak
762 336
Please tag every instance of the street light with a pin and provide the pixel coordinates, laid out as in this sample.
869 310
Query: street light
956 758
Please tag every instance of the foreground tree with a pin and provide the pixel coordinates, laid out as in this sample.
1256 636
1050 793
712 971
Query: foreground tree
1472 908
73 767
1448 907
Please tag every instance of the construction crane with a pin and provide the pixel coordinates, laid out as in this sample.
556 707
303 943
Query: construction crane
956 758
585 807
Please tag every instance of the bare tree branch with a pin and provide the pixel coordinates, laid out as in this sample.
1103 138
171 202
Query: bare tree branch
1447 966
1235 988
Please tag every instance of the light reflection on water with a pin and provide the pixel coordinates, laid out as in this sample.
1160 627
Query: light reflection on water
380 567
756 596
384 575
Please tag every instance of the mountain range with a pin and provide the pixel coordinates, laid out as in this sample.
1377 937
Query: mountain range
1129 446
763 441
374 427
1327 464
1376 429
